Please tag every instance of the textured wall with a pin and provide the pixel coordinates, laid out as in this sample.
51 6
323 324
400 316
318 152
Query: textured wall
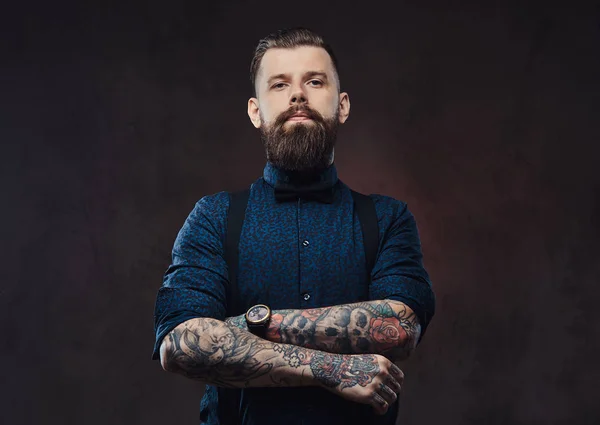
116 119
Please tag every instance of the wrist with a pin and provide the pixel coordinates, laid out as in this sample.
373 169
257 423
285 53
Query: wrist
325 367
237 321
302 366
257 320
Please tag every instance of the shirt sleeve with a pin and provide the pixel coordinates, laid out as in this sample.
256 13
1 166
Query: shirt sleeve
194 285
398 273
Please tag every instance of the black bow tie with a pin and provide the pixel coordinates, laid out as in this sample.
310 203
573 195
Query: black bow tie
320 193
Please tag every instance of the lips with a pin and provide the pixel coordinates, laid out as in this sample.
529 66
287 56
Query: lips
299 117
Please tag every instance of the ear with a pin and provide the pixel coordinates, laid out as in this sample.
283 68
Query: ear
344 107
254 112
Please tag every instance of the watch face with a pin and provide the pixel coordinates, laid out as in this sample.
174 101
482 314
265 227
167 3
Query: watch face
256 314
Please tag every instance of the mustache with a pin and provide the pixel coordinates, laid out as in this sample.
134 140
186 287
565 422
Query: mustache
310 113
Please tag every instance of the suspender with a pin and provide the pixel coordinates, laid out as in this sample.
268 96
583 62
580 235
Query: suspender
235 220
367 216
229 401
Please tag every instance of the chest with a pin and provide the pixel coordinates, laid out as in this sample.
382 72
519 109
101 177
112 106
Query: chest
301 255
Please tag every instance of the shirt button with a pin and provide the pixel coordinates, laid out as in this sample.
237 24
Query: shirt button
306 296
305 243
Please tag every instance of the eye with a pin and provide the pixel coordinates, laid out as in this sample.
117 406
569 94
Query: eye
316 83
278 86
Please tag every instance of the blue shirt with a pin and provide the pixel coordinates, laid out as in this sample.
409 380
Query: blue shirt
292 255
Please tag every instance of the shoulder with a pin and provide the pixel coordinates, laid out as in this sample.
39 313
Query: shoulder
387 206
392 214
209 213
388 209
214 205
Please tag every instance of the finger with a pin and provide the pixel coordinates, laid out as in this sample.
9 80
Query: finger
379 404
393 384
387 393
396 373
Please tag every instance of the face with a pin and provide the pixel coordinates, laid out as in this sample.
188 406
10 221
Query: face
298 107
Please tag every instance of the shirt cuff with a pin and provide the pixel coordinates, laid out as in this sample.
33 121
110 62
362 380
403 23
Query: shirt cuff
418 296
170 322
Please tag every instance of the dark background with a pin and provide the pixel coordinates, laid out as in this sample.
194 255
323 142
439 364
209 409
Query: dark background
117 117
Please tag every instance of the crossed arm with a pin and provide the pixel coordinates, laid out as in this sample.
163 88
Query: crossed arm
386 327
221 354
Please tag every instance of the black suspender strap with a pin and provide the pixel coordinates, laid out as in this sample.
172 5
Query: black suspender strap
235 219
367 216
229 398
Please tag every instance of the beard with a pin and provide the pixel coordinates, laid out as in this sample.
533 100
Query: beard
304 146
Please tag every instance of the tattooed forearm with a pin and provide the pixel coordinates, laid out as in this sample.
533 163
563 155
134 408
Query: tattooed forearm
209 350
218 353
383 327
333 370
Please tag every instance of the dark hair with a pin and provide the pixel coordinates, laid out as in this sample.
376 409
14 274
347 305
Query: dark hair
289 38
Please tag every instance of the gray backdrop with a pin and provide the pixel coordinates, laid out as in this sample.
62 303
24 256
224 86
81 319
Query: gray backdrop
116 118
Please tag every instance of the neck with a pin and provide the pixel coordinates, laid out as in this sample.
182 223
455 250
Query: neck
274 175
303 177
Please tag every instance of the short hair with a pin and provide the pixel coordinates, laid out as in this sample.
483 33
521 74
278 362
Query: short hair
289 38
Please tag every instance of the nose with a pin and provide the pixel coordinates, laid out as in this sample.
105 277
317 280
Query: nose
298 97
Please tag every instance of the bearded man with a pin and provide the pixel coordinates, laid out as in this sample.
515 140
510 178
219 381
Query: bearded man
294 302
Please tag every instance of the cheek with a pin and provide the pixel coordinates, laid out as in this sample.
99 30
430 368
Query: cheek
327 106
268 116
334 103
271 107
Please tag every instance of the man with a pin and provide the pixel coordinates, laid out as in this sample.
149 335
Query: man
322 332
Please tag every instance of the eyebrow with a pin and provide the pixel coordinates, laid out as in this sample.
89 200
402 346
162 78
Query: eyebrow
308 74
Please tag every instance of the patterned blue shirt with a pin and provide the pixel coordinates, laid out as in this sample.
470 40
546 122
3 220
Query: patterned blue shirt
292 255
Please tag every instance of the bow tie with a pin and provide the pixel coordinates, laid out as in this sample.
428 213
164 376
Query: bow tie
320 193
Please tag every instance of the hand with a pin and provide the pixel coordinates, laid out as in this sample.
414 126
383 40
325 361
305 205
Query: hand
366 378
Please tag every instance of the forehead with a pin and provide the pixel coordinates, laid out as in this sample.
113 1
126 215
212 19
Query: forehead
295 61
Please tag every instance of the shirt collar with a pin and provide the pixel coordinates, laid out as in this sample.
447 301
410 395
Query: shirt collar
276 176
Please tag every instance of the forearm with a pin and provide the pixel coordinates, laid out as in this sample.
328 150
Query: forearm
217 353
382 327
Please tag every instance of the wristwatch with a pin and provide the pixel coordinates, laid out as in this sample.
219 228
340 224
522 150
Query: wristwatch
257 319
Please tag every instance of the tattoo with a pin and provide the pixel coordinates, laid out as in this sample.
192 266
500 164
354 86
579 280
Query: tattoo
382 327
238 322
387 390
396 371
352 371
209 350
380 400
221 354
333 369
393 384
